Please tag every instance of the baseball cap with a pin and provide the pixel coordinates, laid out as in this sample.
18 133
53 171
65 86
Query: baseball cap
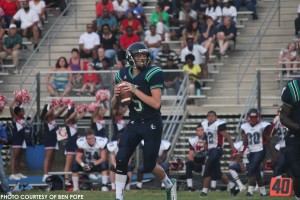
12 26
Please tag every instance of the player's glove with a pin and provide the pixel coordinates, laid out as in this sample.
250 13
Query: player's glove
88 167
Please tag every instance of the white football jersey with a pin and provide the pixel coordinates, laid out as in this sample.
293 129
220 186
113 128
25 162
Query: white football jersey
92 153
211 131
164 145
112 147
255 135
197 143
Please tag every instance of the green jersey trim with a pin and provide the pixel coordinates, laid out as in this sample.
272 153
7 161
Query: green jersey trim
151 73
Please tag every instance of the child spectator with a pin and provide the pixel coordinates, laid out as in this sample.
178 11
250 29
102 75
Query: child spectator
89 81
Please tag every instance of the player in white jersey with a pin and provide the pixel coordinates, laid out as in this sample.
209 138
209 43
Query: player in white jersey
91 156
254 132
113 148
165 146
215 130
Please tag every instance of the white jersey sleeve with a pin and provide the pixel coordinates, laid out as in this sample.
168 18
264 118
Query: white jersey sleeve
212 132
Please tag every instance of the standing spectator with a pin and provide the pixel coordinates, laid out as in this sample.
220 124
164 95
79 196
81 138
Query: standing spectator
61 81
10 8
226 36
40 7
126 40
165 54
198 51
120 7
160 19
229 10
108 42
103 4
12 44
297 23
153 41
215 12
89 81
76 64
48 117
18 140
172 79
190 31
89 43
208 35
250 4
288 58
29 22
132 21
108 19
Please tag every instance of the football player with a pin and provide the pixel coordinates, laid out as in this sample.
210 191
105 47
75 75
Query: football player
290 118
91 156
215 130
145 122
164 148
254 133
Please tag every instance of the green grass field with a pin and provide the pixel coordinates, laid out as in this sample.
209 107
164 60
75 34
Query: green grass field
135 195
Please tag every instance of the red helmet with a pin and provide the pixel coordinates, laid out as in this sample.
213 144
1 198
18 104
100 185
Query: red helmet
253 116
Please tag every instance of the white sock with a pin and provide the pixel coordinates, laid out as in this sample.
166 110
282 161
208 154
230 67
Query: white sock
75 180
239 182
162 185
205 190
113 186
104 179
262 190
213 184
128 186
262 174
189 182
120 185
230 185
250 189
168 183
139 184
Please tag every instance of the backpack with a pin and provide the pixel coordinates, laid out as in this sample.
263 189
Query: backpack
54 182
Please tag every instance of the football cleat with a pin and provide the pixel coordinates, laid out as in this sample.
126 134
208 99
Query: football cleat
172 192
234 191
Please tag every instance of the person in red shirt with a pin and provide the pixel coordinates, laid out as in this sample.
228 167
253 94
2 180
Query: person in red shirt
126 40
132 21
10 8
89 81
104 4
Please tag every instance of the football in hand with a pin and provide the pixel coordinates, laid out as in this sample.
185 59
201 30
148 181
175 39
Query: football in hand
125 96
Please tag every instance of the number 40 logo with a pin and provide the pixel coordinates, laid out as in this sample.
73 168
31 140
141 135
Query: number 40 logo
282 187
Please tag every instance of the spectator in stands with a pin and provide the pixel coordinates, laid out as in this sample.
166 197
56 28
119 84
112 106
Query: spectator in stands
250 5
190 31
76 64
103 4
226 36
61 81
29 22
208 35
109 43
153 41
89 81
126 40
297 23
165 54
97 62
200 5
288 59
187 14
138 11
18 141
48 117
2 20
229 10
11 46
10 8
89 43
107 18
160 19
120 7
198 51
132 21
120 64
106 79
195 75
40 7
215 12
172 79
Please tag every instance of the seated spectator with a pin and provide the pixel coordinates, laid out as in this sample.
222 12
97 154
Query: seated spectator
172 79
60 80
126 40
215 12
89 81
2 20
97 62
229 10
198 51
200 5
208 35
131 20
29 22
11 46
108 42
138 11
297 23
165 54
153 41
106 79
289 55
187 14
226 36
191 31
160 19
194 71
40 8
103 4
76 64
10 8
250 5
2 32
89 43
120 7
107 18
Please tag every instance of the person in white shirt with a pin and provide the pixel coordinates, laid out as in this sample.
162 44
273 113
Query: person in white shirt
214 11
229 10
153 41
120 6
186 14
89 43
29 22
40 7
